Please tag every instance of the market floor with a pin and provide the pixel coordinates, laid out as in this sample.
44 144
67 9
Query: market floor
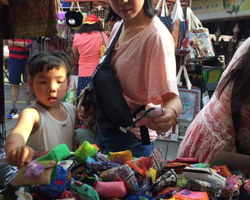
21 104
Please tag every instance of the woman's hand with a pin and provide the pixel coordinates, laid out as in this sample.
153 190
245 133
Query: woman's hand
164 122
20 156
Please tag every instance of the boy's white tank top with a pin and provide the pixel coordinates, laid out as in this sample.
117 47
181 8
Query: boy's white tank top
52 132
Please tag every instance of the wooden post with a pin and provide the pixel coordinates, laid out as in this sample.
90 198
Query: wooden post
2 106
2 102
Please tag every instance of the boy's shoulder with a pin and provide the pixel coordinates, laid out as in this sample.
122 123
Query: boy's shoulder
68 105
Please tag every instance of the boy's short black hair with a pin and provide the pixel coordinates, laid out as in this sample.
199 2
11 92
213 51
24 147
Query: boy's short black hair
148 8
51 60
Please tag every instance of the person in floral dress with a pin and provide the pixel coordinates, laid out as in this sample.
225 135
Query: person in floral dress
213 130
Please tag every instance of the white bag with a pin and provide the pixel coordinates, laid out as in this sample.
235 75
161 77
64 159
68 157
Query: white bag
177 12
200 45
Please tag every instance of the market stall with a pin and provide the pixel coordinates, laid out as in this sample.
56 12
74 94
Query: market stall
89 174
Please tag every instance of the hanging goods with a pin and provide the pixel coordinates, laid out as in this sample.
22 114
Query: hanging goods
61 21
164 17
111 109
75 19
179 30
191 101
200 45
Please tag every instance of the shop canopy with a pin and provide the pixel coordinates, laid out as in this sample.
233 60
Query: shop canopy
104 3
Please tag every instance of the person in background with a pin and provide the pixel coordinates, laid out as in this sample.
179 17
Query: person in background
86 49
48 122
18 56
213 128
144 64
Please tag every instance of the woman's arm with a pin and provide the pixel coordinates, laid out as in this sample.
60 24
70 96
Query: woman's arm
172 101
75 52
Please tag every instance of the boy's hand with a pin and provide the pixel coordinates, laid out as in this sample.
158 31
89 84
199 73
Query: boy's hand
20 156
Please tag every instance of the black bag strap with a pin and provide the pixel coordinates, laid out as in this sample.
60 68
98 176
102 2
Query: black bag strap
108 54
143 129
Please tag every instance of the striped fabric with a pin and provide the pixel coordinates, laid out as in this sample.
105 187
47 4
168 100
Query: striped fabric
19 52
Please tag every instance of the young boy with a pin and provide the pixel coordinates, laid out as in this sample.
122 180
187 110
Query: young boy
48 122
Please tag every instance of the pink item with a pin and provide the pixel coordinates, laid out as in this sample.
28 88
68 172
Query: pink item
212 129
115 189
144 117
33 170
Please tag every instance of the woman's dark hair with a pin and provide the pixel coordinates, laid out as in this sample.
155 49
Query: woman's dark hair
240 77
148 8
88 28
53 59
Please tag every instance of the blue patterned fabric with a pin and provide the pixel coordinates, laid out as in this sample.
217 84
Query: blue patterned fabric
167 21
82 83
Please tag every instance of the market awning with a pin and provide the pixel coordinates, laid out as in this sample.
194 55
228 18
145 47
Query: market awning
104 3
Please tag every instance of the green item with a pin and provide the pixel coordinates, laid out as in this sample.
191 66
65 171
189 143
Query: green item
1 197
60 152
203 165
84 151
85 191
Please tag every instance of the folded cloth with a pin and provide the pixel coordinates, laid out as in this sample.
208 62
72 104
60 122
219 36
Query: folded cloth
60 152
156 160
60 182
33 174
84 151
84 191
101 165
124 173
115 189
120 157
168 179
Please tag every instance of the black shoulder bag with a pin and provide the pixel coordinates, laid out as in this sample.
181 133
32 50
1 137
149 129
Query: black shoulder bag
111 109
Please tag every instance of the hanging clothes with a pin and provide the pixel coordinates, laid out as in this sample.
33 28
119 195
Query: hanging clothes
32 18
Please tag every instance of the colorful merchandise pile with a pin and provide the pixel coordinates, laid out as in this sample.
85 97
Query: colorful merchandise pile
90 175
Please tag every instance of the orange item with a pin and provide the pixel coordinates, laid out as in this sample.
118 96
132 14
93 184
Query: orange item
188 195
224 171
135 167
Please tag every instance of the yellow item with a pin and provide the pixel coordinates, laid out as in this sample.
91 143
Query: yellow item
120 157
152 173
103 46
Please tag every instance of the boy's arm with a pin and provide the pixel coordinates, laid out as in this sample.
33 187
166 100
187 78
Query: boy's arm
21 132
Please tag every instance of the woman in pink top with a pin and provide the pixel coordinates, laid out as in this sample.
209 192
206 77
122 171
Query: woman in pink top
86 48
213 129
144 64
